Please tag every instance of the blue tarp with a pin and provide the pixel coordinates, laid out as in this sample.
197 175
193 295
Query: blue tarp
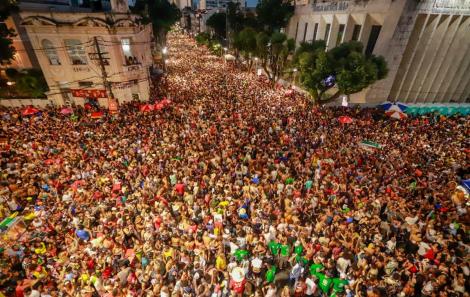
466 185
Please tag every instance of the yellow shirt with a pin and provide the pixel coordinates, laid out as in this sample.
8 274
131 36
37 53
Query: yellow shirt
220 263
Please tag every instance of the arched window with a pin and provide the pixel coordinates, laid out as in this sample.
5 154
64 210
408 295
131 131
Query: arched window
50 52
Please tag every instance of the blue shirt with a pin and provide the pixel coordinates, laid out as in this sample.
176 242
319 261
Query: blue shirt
82 234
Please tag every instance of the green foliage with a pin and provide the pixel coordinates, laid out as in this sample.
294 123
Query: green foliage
203 38
274 14
7 51
245 42
28 84
212 44
273 51
217 22
381 64
235 17
352 69
308 47
161 13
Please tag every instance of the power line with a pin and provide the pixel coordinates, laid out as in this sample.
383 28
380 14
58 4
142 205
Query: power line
56 47
100 56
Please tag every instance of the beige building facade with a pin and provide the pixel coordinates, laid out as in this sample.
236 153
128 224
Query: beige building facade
426 44
66 44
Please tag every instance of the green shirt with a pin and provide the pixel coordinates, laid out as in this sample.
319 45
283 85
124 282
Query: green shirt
298 249
285 249
338 284
314 269
274 247
308 184
324 282
271 274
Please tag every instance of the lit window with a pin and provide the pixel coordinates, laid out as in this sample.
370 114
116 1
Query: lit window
50 52
126 47
76 51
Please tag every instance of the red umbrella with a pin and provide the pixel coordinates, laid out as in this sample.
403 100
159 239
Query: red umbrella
66 110
345 120
146 107
97 115
158 106
30 111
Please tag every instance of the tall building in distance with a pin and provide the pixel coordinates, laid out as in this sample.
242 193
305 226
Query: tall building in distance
426 43
219 4
86 50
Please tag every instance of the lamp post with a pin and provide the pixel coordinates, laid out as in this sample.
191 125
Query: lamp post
295 74
256 65
165 60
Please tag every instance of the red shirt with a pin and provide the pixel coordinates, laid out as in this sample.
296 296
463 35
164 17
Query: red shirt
179 188
237 287
107 272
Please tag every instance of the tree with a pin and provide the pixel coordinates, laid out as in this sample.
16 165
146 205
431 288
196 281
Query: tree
7 51
234 17
33 83
161 13
245 43
274 14
273 51
342 70
203 38
217 23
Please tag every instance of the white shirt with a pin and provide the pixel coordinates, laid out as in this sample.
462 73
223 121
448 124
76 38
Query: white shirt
311 286
271 292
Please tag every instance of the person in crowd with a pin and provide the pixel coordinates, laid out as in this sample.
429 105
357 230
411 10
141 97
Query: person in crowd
232 188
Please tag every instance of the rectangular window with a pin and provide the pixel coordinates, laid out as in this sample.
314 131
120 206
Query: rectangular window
356 32
305 31
327 32
315 30
374 35
76 51
126 47
339 38
85 84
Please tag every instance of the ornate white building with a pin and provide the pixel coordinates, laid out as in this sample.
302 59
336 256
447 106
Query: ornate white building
426 43
67 39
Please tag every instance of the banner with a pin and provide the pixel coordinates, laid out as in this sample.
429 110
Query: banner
89 93
112 105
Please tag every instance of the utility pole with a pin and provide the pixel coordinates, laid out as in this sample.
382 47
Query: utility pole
103 61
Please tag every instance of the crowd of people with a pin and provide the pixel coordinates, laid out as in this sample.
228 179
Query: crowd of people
234 189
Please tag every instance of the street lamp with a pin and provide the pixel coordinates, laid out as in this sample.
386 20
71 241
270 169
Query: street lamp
164 52
295 73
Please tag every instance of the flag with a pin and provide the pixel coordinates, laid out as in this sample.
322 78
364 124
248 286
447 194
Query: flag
368 144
